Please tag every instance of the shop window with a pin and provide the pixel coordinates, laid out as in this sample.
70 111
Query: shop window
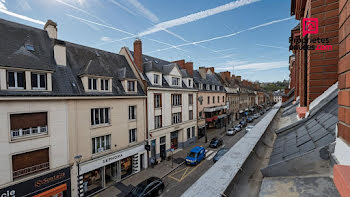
100 116
132 135
126 167
15 80
100 144
92 181
28 124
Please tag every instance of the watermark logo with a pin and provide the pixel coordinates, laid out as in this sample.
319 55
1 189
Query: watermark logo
310 26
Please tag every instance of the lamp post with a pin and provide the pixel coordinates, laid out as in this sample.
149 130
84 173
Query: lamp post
77 159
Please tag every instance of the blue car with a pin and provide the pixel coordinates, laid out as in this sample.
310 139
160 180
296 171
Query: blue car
196 155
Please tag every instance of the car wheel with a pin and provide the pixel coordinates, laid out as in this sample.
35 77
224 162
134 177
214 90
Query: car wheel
160 191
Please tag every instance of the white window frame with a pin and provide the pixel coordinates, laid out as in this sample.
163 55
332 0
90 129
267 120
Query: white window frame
93 122
103 84
91 83
132 116
156 78
38 81
132 135
157 100
16 81
29 132
157 122
176 99
175 81
176 118
128 86
189 83
107 144
190 114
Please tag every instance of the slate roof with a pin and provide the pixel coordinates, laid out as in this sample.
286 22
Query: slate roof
211 79
162 66
81 60
316 131
15 37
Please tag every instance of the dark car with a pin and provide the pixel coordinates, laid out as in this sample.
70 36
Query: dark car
243 123
250 120
219 154
215 142
150 187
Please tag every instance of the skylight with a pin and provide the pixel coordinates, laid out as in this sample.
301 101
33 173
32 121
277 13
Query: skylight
29 47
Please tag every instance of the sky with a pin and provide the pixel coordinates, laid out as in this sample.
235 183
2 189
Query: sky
246 37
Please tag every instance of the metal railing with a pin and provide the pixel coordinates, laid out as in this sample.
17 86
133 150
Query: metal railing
30 170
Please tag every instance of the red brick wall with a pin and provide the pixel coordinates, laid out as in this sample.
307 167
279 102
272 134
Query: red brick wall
138 54
344 71
323 65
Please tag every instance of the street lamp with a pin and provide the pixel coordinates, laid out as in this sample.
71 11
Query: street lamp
77 159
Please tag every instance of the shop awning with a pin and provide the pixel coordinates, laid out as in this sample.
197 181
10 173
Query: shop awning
212 109
222 116
53 191
211 119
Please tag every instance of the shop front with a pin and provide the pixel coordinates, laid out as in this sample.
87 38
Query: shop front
98 173
201 128
56 184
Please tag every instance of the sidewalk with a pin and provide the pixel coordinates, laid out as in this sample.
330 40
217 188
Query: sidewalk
160 170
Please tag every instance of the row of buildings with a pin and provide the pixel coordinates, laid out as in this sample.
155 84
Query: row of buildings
74 119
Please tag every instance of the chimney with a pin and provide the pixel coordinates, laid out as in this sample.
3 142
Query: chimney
59 52
203 72
181 63
239 78
138 54
211 69
51 28
225 75
189 68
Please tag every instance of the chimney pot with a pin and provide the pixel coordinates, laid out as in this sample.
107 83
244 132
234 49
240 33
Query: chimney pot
51 28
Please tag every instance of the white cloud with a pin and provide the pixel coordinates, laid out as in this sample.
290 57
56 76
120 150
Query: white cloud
230 35
196 16
2 5
106 39
262 66
122 7
144 11
24 5
26 18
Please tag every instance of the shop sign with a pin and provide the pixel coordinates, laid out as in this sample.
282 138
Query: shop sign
108 159
38 184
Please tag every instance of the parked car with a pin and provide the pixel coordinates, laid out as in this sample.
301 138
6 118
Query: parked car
238 127
250 120
243 123
255 116
219 154
231 131
153 186
249 128
196 155
215 142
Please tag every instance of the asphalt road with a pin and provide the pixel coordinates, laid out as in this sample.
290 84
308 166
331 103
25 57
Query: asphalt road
177 182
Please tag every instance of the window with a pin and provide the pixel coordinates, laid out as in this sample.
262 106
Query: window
92 84
132 112
175 81
28 124
204 86
223 98
162 140
157 122
100 144
132 135
176 118
200 86
176 99
190 115
15 80
131 86
100 116
190 99
189 83
188 133
218 99
104 84
213 99
156 79
157 100
200 114
193 131
38 81
208 99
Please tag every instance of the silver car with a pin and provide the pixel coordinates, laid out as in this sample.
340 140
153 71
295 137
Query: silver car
231 131
249 128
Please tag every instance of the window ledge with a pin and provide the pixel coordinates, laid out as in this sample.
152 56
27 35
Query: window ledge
133 120
99 154
25 138
100 126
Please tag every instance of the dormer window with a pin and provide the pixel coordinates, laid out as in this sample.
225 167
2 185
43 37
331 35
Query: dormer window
104 84
92 84
189 83
156 79
175 81
38 81
200 86
15 79
131 86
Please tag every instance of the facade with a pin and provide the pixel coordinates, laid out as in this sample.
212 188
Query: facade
277 96
212 105
171 103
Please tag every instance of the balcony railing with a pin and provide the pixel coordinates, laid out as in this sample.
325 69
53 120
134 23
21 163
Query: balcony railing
31 170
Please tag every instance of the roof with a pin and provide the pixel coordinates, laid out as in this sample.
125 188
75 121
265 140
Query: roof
197 149
314 132
81 60
211 79
25 47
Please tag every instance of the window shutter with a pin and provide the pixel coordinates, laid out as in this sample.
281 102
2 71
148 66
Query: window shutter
28 120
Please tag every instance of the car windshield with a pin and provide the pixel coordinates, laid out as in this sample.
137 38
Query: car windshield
213 141
192 154
138 189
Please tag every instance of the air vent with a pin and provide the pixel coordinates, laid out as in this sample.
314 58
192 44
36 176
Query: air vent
29 47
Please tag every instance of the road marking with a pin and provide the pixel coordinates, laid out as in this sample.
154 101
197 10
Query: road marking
185 174
209 153
211 156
